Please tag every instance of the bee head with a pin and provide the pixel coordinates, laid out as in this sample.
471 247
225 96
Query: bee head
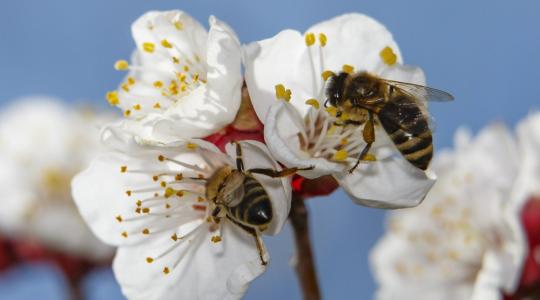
336 88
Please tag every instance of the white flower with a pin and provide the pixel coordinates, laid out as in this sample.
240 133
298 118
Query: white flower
152 203
42 145
299 132
463 242
183 81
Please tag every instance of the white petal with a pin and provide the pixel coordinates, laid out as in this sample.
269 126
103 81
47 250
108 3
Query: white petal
279 189
205 271
387 183
356 40
204 108
283 124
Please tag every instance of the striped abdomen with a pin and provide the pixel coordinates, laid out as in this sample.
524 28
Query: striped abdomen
255 209
408 128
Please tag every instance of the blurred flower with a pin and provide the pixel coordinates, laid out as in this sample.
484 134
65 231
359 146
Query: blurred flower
527 192
464 241
152 204
299 132
183 81
42 145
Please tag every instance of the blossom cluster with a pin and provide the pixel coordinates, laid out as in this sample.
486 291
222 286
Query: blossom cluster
476 235
201 165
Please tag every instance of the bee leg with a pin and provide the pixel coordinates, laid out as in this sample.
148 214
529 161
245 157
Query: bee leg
258 240
239 159
369 137
276 174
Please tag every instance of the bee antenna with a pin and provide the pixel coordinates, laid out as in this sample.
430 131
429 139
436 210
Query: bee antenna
326 103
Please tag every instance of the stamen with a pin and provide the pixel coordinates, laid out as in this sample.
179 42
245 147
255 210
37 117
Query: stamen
123 169
121 65
112 98
178 25
158 84
149 47
348 69
282 93
313 102
166 44
327 74
127 113
149 260
322 39
166 270
137 107
340 155
310 39
388 56
157 105
124 234
119 218
216 239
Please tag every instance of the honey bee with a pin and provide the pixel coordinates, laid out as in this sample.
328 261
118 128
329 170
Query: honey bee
238 196
363 98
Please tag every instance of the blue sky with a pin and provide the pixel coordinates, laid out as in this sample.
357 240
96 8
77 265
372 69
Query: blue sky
486 53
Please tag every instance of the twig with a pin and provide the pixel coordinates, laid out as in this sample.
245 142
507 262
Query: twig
305 266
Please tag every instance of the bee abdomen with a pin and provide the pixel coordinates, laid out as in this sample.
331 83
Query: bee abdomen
418 150
255 209
409 130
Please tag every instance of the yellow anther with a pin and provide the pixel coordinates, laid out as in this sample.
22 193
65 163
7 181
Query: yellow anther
175 60
166 271
158 84
348 69
127 113
183 87
186 68
327 74
178 177
344 141
130 80
174 237
163 184
161 158
282 93
112 98
313 102
139 203
180 193
173 88
123 169
331 111
196 77
138 210
322 39
340 155
157 105
191 146
200 199
137 107
121 65
369 157
119 218
310 39
166 44
388 56
167 205
149 260
146 231
169 192
178 25
197 58
149 47
128 192
216 239
125 87
124 234
181 77
146 210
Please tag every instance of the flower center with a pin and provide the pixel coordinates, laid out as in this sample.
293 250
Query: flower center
166 73
172 202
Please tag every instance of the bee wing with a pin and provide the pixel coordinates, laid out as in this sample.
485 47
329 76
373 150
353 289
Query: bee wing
420 91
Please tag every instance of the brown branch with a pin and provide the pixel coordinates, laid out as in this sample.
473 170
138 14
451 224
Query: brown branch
305 265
